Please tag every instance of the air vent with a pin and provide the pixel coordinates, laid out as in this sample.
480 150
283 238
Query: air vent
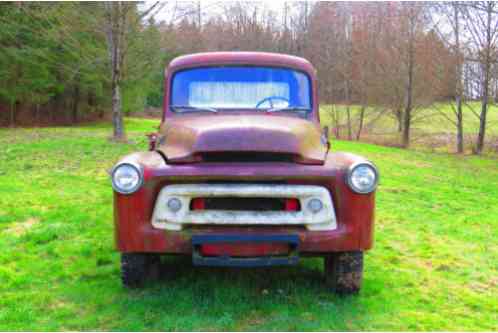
247 157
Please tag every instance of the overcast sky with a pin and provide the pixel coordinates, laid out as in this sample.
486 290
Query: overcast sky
208 8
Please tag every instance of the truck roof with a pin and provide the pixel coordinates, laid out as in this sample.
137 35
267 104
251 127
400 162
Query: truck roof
241 58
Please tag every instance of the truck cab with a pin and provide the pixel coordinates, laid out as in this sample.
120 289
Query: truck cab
241 174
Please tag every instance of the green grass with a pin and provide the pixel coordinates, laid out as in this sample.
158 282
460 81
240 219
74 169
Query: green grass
434 265
431 127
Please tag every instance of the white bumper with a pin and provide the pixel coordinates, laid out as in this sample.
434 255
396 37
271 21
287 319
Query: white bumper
164 218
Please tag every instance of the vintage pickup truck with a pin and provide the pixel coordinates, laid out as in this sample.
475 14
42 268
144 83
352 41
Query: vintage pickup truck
241 174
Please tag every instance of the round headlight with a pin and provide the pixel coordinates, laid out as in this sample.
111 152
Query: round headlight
363 178
126 178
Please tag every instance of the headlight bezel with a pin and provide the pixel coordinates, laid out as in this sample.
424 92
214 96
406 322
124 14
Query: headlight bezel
140 172
349 175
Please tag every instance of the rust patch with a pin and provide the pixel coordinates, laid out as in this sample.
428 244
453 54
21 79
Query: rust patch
184 137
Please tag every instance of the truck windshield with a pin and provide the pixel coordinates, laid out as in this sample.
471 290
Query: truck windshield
240 87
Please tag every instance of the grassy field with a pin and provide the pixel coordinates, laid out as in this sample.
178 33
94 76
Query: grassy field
434 265
432 128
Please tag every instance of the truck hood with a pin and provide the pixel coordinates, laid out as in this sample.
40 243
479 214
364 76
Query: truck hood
187 138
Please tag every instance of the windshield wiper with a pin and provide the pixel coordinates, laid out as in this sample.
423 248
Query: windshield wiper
289 108
188 108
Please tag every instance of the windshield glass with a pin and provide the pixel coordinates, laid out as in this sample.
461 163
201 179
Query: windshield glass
241 87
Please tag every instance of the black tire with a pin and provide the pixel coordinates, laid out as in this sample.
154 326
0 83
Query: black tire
135 268
344 272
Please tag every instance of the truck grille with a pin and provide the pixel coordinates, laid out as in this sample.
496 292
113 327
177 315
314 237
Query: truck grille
243 204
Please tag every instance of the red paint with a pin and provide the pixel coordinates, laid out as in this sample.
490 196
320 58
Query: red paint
183 137
244 249
355 212
192 135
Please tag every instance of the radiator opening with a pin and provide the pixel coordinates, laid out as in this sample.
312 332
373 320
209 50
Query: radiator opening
245 204
247 157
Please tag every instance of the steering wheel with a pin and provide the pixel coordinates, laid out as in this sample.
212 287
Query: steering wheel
270 99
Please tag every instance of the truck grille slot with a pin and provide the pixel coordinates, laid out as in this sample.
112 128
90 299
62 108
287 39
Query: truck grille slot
247 157
245 204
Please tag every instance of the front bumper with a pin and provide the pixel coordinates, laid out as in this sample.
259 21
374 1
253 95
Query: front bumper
354 212
147 239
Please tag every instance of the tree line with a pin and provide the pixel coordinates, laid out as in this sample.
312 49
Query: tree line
58 59
70 60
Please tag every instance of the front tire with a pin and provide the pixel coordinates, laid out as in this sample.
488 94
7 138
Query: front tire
344 272
135 268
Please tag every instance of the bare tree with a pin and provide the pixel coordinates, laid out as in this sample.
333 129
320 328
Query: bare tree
412 17
482 28
367 27
118 17
447 20
455 25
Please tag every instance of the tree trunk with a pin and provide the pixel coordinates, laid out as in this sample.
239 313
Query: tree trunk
51 109
360 125
116 26
459 87
12 114
349 70
350 129
485 92
57 108
459 125
76 101
408 117
68 112
117 116
399 117
37 114
482 122
338 126
335 121
496 88
199 16
409 86
90 99
348 108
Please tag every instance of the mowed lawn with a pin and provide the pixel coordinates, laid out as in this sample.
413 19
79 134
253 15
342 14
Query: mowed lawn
434 265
